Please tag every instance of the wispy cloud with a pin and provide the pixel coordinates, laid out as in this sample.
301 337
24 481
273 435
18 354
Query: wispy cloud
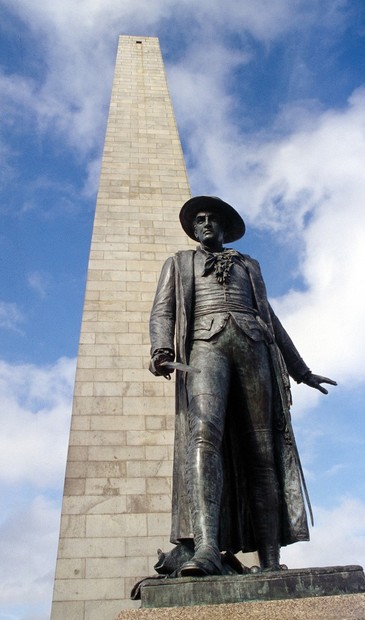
306 185
35 408
77 51
29 536
10 316
322 199
38 282
338 537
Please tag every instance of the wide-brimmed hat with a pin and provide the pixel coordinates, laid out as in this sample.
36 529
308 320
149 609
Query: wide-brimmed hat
234 226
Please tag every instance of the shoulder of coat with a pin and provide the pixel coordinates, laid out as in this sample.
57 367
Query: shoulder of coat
184 254
249 259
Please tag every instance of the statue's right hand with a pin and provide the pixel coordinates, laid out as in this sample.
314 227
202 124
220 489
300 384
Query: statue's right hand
159 357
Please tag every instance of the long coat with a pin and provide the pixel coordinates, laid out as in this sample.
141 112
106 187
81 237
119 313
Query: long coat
171 320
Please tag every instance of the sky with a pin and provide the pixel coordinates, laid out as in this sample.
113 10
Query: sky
283 141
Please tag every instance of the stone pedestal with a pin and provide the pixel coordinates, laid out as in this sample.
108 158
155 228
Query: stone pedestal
288 584
340 607
331 593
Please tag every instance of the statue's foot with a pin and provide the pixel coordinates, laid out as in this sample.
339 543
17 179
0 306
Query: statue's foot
206 561
273 567
270 558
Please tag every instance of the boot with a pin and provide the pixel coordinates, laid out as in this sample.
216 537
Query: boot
265 507
270 557
204 488
206 561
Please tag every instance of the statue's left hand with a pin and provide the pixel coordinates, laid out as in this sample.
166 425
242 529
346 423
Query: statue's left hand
315 381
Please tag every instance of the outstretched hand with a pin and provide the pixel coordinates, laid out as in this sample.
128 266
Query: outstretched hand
315 381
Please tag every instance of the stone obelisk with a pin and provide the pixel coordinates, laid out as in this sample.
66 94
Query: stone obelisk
117 496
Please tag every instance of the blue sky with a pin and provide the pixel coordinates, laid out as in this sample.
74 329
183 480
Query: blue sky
270 102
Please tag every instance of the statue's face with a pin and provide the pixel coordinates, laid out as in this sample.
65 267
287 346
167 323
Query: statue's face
208 229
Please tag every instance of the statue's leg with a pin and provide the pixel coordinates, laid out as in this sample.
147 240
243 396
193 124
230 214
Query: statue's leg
256 383
264 494
207 404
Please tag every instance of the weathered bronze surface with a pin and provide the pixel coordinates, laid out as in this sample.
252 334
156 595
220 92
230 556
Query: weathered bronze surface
237 483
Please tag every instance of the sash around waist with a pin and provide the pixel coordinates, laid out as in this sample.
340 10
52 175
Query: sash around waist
204 309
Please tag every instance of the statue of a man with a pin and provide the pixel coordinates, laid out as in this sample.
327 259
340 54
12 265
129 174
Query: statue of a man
237 482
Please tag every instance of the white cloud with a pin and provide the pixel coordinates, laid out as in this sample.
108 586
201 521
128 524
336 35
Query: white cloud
38 282
78 43
35 408
10 316
92 179
337 539
307 186
79 40
322 172
28 557
203 107
6 171
266 20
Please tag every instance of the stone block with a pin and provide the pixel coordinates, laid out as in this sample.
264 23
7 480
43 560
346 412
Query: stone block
139 546
94 504
70 568
146 469
116 525
115 486
120 453
149 438
77 548
72 610
101 610
117 423
159 485
74 486
73 526
158 523
88 589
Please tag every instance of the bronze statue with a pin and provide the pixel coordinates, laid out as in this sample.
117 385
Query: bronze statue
237 480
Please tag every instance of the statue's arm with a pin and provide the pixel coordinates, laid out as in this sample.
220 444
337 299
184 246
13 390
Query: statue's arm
297 368
162 319
295 364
